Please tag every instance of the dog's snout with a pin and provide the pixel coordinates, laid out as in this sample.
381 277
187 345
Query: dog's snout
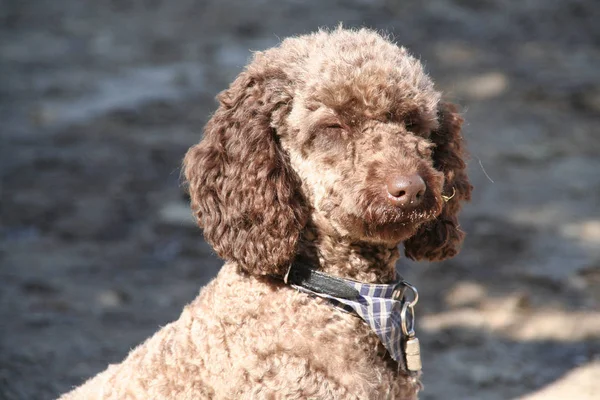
406 190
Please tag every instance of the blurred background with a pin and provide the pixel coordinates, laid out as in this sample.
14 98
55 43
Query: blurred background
99 100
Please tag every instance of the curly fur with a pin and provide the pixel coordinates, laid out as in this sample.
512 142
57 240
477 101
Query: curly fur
244 193
293 164
441 238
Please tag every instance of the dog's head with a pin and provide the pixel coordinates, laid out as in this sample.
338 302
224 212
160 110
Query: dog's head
342 127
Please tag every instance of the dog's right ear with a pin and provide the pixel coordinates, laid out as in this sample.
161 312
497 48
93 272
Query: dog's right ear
441 238
244 193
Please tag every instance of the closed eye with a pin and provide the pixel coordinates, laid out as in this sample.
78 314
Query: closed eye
412 121
335 126
410 125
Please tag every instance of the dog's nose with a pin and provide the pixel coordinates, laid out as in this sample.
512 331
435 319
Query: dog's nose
406 190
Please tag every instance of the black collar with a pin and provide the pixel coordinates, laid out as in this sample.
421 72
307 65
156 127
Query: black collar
300 274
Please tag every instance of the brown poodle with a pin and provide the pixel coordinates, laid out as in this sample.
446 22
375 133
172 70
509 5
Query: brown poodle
333 147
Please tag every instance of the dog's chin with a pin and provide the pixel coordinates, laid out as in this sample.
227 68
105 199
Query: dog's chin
390 234
389 225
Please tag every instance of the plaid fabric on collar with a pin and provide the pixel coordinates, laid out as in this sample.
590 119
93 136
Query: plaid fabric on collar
377 308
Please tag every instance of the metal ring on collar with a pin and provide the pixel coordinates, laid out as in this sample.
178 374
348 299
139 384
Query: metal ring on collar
404 320
400 291
415 299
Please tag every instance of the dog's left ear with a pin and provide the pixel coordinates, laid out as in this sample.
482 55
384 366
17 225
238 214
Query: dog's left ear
244 193
442 237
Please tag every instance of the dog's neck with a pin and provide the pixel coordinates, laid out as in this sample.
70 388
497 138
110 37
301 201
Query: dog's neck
340 256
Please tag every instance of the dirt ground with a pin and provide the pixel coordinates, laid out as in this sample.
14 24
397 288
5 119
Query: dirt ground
99 101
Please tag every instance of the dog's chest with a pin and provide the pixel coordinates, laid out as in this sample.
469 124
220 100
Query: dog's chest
273 335
282 321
